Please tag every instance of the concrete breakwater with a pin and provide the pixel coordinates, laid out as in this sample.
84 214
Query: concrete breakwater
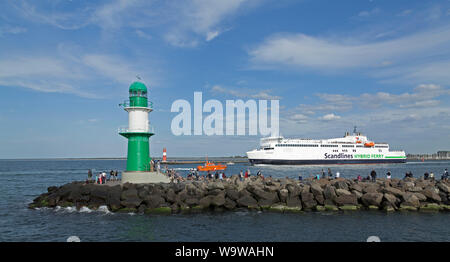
280 195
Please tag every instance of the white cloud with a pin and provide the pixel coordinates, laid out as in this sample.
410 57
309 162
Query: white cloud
142 34
413 57
329 117
369 13
245 93
185 21
211 35
70 73
8 29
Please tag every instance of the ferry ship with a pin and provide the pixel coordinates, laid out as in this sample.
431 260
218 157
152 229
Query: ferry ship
351 149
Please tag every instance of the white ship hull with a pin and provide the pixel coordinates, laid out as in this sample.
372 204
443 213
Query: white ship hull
352 149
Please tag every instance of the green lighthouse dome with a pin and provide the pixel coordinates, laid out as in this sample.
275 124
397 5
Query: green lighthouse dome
138 95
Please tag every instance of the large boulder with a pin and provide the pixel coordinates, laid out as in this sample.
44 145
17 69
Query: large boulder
371 188
284 193
431 194
443 187
340 192
344 199
390 198
113 198
393 191
294 189
356 187
330 192
340 184
130 193
218 200
308 201
293 201
409 199
316 189
247 201
372 199
229 204
153 201
232 193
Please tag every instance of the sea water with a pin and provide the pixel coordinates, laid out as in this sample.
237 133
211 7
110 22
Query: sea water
23 180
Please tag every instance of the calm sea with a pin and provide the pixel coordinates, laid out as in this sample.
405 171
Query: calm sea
22 180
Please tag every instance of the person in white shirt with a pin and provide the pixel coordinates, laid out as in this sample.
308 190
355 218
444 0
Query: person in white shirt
338 175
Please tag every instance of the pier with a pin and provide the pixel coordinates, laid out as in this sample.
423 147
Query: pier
255 193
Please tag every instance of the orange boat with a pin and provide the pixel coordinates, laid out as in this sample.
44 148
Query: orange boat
209 166
369 144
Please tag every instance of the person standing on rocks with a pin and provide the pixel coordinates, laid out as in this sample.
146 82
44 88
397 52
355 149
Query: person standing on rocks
300 178
373 174
388 175
337 175
330 174
89 175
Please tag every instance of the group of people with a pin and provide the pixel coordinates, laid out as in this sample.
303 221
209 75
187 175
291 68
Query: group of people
323 175
100 178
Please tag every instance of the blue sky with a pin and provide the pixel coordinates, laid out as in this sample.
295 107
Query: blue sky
383 66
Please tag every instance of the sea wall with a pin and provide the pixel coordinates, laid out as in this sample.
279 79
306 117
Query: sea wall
280 195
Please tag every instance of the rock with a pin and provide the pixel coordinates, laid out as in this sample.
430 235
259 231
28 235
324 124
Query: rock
229 204
320 199
443 187
215 185
391 199
293 201
294 190
308 201
113 198
316 189
205 202
218 200
404 207
131 202
420 196
153 201
284 193
394 191
409 199
369 199
340 192
340 185
415 189
431 194
349 208
232 193
330 208
171 196
358 194
373 188
330 192
344 200
130 193
431 207
247 201
356 187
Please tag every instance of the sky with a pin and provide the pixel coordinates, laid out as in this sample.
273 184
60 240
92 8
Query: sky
383 66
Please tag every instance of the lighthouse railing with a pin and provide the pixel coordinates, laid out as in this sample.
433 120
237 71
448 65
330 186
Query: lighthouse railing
127 103
126 129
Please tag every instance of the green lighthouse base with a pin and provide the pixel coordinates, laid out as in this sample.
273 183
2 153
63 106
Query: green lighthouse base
143 177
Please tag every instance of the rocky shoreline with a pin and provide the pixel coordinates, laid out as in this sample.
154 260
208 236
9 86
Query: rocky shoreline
279 195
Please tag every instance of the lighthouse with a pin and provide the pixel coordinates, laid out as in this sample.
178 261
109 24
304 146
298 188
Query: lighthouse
138 133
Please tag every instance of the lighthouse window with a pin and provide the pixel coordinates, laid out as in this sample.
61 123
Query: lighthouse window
138 93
